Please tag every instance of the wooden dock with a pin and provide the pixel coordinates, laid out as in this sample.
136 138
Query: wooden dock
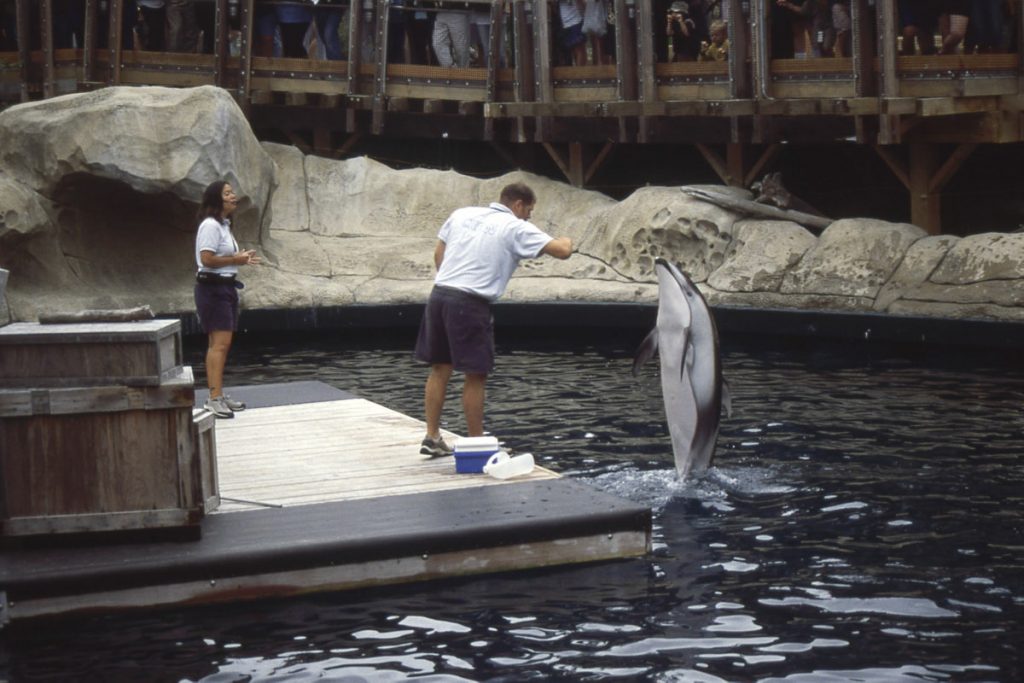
322 490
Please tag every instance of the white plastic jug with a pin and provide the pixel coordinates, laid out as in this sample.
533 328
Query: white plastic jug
501 466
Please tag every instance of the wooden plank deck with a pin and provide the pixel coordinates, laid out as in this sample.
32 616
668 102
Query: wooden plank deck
358 507
336 450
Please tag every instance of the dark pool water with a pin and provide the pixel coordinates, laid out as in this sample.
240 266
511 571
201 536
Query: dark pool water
864 521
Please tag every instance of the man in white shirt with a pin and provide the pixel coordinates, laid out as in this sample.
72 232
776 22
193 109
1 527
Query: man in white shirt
477 251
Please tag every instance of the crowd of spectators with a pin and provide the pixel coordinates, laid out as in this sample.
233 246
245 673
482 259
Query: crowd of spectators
583 31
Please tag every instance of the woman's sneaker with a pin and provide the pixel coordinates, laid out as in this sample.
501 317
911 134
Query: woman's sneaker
219 407
233 405
435 448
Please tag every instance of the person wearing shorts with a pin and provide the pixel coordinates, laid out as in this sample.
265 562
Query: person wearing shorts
477 251
216 290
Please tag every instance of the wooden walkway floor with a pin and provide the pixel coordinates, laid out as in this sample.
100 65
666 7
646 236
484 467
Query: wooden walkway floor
339 499
328 451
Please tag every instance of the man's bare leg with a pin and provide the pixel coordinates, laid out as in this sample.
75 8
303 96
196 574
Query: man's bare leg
433 397
473 392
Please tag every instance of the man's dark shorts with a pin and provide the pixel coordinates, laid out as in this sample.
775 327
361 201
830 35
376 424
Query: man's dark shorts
457 329
217 306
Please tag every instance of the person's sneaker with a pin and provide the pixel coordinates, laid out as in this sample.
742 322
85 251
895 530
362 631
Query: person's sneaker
435 448
233 404
219 407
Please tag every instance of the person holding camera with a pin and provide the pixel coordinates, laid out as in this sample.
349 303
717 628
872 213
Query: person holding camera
682 33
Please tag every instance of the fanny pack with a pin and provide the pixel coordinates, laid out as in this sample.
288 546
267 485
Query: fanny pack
208 278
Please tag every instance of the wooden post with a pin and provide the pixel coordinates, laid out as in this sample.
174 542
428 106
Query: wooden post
247 21
89 43
627 88
114 39
542 63
46 42
494 53
220 41
925 205
625 52
645 63
888 125
862 44
739 52
761 48
24 56
380 75
523 48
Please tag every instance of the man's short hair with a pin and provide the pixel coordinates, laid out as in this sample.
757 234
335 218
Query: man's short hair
515 192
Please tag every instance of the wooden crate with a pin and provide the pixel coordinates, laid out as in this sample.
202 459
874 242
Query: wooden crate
89 354
206 446
86 459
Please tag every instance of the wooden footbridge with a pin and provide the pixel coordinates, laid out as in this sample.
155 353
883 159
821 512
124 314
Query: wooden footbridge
923 115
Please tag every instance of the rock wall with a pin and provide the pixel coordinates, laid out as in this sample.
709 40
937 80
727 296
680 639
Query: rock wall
98 193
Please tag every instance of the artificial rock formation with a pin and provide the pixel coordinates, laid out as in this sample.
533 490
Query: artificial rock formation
98 193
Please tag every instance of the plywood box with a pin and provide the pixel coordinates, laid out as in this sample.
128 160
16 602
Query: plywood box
89 354
85 459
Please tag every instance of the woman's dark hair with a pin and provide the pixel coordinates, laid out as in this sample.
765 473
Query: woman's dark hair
212 205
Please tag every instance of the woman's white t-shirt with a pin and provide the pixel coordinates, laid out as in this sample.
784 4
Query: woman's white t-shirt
215 236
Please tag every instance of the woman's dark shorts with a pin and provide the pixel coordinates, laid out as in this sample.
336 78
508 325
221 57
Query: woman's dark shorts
457 329
217 306
571 36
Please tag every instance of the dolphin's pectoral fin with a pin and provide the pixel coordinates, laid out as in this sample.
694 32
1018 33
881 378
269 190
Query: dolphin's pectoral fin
726 398
688 357
648 347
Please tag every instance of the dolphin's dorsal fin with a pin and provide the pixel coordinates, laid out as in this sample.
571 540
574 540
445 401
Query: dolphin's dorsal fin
648 347
726 398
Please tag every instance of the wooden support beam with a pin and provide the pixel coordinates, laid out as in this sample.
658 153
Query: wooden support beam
355 42
734 163
645 53
46 42
739 52
524 86
888 86
21 12
89 31
895 164
247 23
322 140
767 157
542 65
494 55
626 53
114 42
598 160
576 164
220 41
349 143
557 158
862 44
715 162
761 48
380 80
925 206
950 167
572 167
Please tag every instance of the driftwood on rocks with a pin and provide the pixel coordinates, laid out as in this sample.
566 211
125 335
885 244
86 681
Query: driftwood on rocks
750 207
119 315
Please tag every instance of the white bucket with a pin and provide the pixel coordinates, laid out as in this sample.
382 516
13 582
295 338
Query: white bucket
502 466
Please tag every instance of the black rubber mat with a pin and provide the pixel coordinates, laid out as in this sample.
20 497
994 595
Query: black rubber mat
283 394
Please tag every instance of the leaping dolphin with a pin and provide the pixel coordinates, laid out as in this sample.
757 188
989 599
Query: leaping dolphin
686 341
